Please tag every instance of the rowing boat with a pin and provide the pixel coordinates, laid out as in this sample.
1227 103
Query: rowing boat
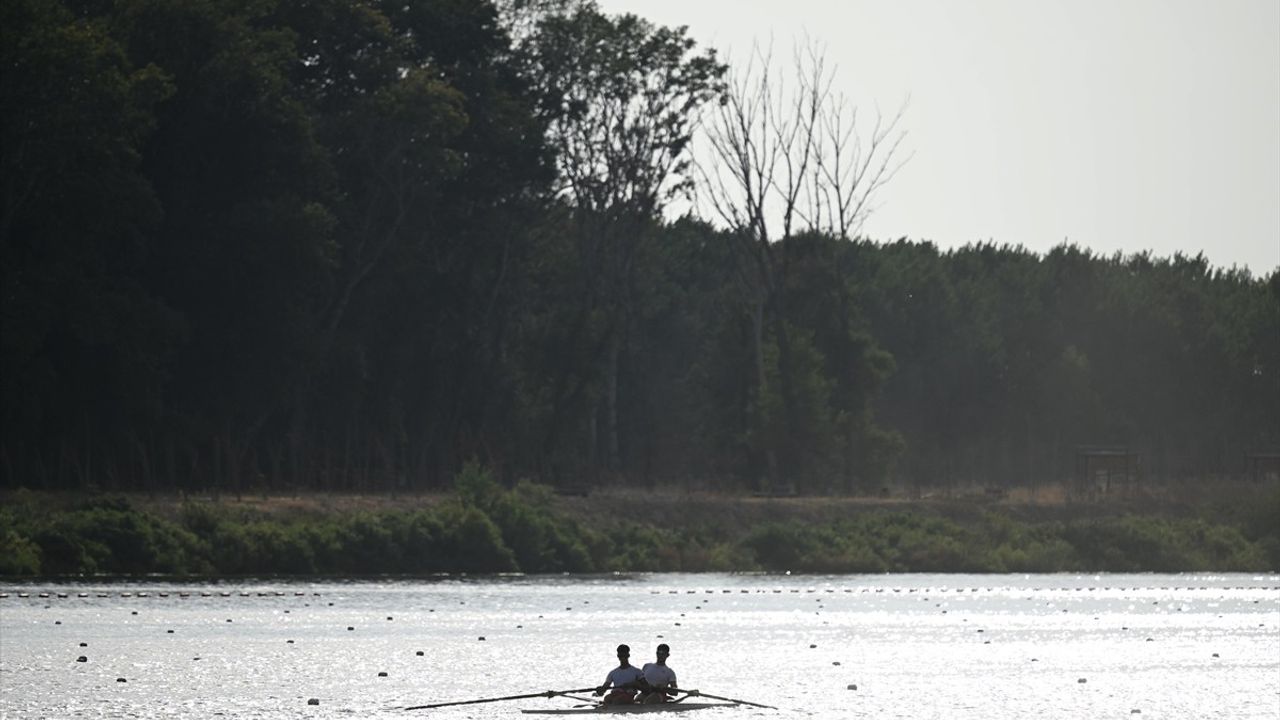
674 706
656 707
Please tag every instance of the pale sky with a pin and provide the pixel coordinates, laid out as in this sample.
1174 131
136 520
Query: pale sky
1118 125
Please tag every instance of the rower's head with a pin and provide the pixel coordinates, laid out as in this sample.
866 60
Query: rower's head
624 654
663 652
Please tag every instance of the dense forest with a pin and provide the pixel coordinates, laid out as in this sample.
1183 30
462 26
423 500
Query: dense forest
352 246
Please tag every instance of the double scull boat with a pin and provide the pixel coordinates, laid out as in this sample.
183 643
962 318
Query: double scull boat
597 709
637 708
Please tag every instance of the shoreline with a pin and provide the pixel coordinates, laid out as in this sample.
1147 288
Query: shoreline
530 529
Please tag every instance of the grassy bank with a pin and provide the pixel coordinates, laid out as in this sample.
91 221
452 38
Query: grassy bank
482 528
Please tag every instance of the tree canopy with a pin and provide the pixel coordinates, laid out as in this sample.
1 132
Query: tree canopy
334 245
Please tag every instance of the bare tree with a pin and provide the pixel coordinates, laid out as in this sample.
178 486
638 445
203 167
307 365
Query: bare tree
782 159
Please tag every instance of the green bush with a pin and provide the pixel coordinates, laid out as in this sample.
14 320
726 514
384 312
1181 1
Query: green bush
1136 544
488 529
802 547
109 536
19 554
474 543
475 487
541 541
1263 519
1012 546
908 542
421 536
262 548
638 548
369 547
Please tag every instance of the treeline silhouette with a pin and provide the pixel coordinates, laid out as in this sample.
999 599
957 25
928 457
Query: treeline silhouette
323 245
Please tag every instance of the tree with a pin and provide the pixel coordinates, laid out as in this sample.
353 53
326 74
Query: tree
246 248
84 342
623 98
439 165
780 161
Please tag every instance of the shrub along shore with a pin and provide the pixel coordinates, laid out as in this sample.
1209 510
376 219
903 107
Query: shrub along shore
484 528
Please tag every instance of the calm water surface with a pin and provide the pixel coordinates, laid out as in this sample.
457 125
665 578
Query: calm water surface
883 646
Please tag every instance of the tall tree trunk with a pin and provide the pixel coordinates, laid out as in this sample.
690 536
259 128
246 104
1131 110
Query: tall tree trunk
611 460
788 446
762 388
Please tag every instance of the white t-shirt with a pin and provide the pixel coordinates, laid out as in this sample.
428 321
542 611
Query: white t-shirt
659 675
620 676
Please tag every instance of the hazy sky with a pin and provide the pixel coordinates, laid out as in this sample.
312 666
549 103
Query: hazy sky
1115 124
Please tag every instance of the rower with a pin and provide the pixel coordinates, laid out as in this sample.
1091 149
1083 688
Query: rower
660 678
626 680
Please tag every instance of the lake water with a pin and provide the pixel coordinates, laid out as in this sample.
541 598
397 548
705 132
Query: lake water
874 646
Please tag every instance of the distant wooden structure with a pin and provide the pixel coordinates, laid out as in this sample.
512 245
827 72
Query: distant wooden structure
1262 466
1106 470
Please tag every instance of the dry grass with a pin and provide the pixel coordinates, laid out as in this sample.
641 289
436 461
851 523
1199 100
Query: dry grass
302 504
1052 495
675 507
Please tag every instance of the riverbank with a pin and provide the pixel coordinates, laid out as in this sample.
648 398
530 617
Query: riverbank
484 528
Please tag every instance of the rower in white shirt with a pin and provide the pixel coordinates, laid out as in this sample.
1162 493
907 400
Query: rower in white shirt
626 680
660 678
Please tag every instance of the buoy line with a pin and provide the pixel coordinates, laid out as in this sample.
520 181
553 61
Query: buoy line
129 595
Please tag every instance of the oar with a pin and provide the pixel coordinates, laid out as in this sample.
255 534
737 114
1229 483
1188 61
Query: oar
546 693
699 693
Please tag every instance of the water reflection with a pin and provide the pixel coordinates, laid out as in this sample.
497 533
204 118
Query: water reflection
910 646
